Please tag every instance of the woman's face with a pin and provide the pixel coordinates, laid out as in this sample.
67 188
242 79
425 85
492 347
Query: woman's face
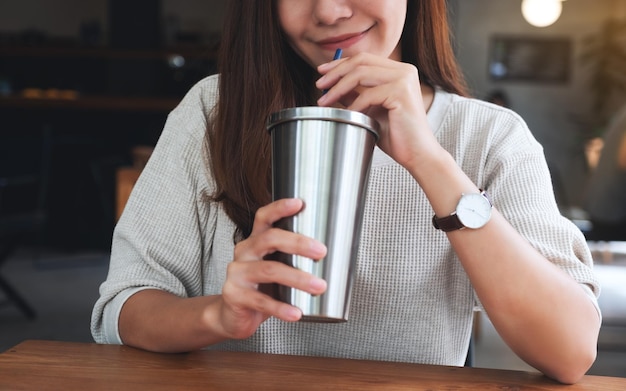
316 28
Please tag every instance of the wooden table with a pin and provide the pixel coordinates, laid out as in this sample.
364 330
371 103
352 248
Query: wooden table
46 365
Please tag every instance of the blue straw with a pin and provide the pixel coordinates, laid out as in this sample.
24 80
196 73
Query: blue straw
337 56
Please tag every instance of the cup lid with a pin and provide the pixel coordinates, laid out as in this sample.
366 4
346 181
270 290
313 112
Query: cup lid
325 114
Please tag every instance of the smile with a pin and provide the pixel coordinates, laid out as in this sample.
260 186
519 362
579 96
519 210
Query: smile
342 41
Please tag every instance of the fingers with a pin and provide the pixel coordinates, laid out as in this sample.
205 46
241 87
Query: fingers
250 269
377 81
274 239
334 71
240 289
386 90
267 215
347 88
263 304
265 239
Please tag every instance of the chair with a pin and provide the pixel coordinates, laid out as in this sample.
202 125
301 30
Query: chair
126 177
24 173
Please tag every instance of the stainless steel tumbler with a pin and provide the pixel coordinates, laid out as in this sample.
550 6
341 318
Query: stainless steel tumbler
323 156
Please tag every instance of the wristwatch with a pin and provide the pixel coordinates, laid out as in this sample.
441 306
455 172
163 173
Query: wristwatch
472 211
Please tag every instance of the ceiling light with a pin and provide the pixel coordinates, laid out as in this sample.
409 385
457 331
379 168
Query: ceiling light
541 13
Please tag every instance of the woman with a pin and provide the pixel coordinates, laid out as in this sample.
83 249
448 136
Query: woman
188 252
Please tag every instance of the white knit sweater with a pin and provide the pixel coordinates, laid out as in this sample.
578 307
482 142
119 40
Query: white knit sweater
412 300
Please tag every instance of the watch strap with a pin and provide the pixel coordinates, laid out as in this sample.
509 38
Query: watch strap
448 223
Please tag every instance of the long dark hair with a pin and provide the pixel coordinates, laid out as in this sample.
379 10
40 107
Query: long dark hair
260 73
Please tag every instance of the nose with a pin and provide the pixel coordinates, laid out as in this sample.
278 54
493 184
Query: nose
329 12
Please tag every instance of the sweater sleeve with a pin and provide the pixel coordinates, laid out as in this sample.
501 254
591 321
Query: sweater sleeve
502 156
521 187
160 239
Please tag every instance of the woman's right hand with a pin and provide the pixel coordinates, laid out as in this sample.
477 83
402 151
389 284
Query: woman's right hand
243 306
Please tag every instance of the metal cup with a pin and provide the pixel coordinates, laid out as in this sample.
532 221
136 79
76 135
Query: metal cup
323 156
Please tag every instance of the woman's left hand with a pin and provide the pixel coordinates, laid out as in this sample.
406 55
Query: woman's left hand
386 90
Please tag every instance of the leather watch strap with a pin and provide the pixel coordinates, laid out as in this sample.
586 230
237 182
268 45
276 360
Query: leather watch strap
448 223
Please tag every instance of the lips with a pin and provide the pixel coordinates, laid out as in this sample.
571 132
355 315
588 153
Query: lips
338 39
342 41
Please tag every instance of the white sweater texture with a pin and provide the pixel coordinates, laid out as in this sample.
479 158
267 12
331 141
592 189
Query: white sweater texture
412 300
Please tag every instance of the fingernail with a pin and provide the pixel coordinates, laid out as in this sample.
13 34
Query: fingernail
318 247
318 284
291 202
293 313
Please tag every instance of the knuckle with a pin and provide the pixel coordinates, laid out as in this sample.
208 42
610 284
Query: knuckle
303 242
360 69
259 303
260 217
229 293
231 268
272 238
261 213
267 270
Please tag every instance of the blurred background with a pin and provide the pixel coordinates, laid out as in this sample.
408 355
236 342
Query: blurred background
86 86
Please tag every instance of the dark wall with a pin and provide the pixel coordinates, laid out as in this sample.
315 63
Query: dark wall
91 140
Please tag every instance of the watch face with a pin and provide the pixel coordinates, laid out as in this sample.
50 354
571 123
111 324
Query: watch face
473 210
